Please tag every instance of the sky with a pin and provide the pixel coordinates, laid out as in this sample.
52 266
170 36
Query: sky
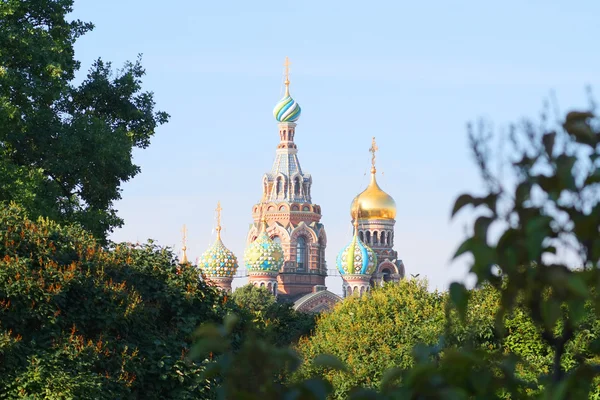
412 74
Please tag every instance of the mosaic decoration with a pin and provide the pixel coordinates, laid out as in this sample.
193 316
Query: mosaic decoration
218 261
263 254
357 258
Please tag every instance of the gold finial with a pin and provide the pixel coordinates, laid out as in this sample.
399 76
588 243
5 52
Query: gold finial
373 150
218 210
356 216
184 259
287 64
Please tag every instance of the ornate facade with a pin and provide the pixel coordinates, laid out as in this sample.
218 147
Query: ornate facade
286 242
292 219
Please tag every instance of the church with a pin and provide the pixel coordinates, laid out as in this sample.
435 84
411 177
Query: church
286 242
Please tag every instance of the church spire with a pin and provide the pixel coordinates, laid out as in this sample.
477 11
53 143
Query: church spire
287 110
184 259
218 229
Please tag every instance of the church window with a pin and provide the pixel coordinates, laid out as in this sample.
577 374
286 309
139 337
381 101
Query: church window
301 251
368 237
382 238
295 208
361 236
276 239
375 238
278 185
386 274
297 186
305 208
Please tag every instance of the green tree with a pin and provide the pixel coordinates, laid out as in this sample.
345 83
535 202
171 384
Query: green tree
80 321
374 333
65 149
278 321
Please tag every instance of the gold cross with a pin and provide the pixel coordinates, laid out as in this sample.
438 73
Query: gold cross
373 150
184 259
218 210
287 64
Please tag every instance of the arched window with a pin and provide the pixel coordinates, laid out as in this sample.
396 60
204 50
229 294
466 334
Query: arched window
276 239
361 236
368 236
297 186
386 274
278 185
301 252
375 238
262 284
382 238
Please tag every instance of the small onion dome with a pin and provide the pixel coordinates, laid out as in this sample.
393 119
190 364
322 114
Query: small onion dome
356 258
374 203
287 110
218 261
263 254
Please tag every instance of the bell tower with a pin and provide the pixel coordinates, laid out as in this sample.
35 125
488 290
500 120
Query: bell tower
286 206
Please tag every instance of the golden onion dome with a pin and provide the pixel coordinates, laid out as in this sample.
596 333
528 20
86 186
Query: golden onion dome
374 203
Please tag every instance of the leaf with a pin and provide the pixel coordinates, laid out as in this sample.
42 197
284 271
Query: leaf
577 286
465 247
330 362
481 227
461 201
548 139
459 295
390 378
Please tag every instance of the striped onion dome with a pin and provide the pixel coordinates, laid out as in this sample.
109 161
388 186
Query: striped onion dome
287 110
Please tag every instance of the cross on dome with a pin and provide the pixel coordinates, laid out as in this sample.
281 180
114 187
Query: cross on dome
373 150
218 210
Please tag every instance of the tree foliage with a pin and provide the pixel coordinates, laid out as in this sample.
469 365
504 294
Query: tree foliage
65 149
81 321
277 321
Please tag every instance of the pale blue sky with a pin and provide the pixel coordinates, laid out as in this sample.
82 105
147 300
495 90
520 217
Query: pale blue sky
410 73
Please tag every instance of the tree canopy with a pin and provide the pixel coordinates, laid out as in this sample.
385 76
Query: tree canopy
81 321
66 148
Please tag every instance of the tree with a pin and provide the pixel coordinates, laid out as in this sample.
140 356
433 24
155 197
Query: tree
374 333
277 321
65 149
81 321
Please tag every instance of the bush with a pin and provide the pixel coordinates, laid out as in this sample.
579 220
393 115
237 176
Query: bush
81 321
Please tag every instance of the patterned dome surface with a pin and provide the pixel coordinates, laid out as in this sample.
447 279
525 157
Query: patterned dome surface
287 110
263 254
357 258
218 261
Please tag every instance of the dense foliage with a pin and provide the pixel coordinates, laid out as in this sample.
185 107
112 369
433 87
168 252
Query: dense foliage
80 321
65 149
277 321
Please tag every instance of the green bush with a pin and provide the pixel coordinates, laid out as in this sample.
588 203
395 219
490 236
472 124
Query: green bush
81 321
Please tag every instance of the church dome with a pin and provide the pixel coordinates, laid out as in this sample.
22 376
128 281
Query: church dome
263 254
218 261
374 203
357 258
287 110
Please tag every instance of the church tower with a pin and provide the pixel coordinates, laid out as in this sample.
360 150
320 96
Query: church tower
290 217
377 213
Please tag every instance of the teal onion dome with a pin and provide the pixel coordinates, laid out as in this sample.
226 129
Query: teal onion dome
263 255
356 258
218 261
287 110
